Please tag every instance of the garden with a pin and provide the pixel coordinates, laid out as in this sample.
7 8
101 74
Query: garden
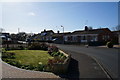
37 56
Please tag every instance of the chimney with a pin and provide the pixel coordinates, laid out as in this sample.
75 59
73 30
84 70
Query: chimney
58 31
44 30
86 28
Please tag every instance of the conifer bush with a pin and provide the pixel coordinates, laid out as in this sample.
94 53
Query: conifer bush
109 44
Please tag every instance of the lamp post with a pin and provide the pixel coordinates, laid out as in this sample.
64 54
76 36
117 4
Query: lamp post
63 33
63 28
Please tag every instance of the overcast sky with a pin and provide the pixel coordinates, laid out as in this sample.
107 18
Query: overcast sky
37 16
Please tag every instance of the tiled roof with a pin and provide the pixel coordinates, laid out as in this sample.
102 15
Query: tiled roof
47 31
61 34
93 31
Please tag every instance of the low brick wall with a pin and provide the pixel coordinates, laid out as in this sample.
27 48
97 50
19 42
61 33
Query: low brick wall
62 67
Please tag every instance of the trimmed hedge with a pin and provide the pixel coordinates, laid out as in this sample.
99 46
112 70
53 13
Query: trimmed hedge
109 44
38 46
8 55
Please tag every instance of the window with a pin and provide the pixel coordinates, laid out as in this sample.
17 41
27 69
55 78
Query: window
74 38
65 38
84 38
103 37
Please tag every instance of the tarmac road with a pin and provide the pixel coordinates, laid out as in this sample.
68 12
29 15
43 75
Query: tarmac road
107 57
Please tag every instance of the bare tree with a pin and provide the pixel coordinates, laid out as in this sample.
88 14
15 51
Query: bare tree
117 28
1 30
90 28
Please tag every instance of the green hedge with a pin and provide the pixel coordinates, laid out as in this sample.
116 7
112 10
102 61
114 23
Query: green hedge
109 44
38 46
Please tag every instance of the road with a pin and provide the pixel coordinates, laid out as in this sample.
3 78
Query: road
107 57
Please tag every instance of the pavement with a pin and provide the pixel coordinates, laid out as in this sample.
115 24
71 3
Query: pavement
10 72
115 46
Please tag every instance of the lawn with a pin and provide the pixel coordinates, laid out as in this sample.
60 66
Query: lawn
31 57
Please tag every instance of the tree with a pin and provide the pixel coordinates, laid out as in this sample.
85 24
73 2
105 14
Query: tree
90 28
117 28
1 30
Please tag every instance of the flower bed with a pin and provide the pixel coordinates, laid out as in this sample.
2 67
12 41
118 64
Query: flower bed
27 59
59 64
33 58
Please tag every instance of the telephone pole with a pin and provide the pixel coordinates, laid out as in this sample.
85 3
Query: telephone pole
18 30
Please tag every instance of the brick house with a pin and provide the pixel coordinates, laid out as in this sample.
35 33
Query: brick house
5 36
86 36
45 35
60 37
101 35
116 36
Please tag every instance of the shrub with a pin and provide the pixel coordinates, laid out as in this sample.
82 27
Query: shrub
8 55
52 49
109 44
38 46
40 66
55 54
14 63
17 64
47 68
52 54
3 50
21 47
63 57
61 54
30 67
4 59
25 67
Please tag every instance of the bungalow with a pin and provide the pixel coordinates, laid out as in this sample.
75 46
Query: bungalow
60 37
5 36
86 36
101 35
45 35
116 37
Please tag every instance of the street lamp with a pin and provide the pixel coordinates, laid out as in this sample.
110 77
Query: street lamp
63 33
63 28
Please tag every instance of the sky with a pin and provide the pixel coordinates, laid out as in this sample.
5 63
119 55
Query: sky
36 16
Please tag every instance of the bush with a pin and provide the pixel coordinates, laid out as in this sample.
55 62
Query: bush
40 67
14 63
52 49
63 57
31 67
109 44
52 54
21 47
56 54
61 54
25 67
3 50
38 46
8 55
